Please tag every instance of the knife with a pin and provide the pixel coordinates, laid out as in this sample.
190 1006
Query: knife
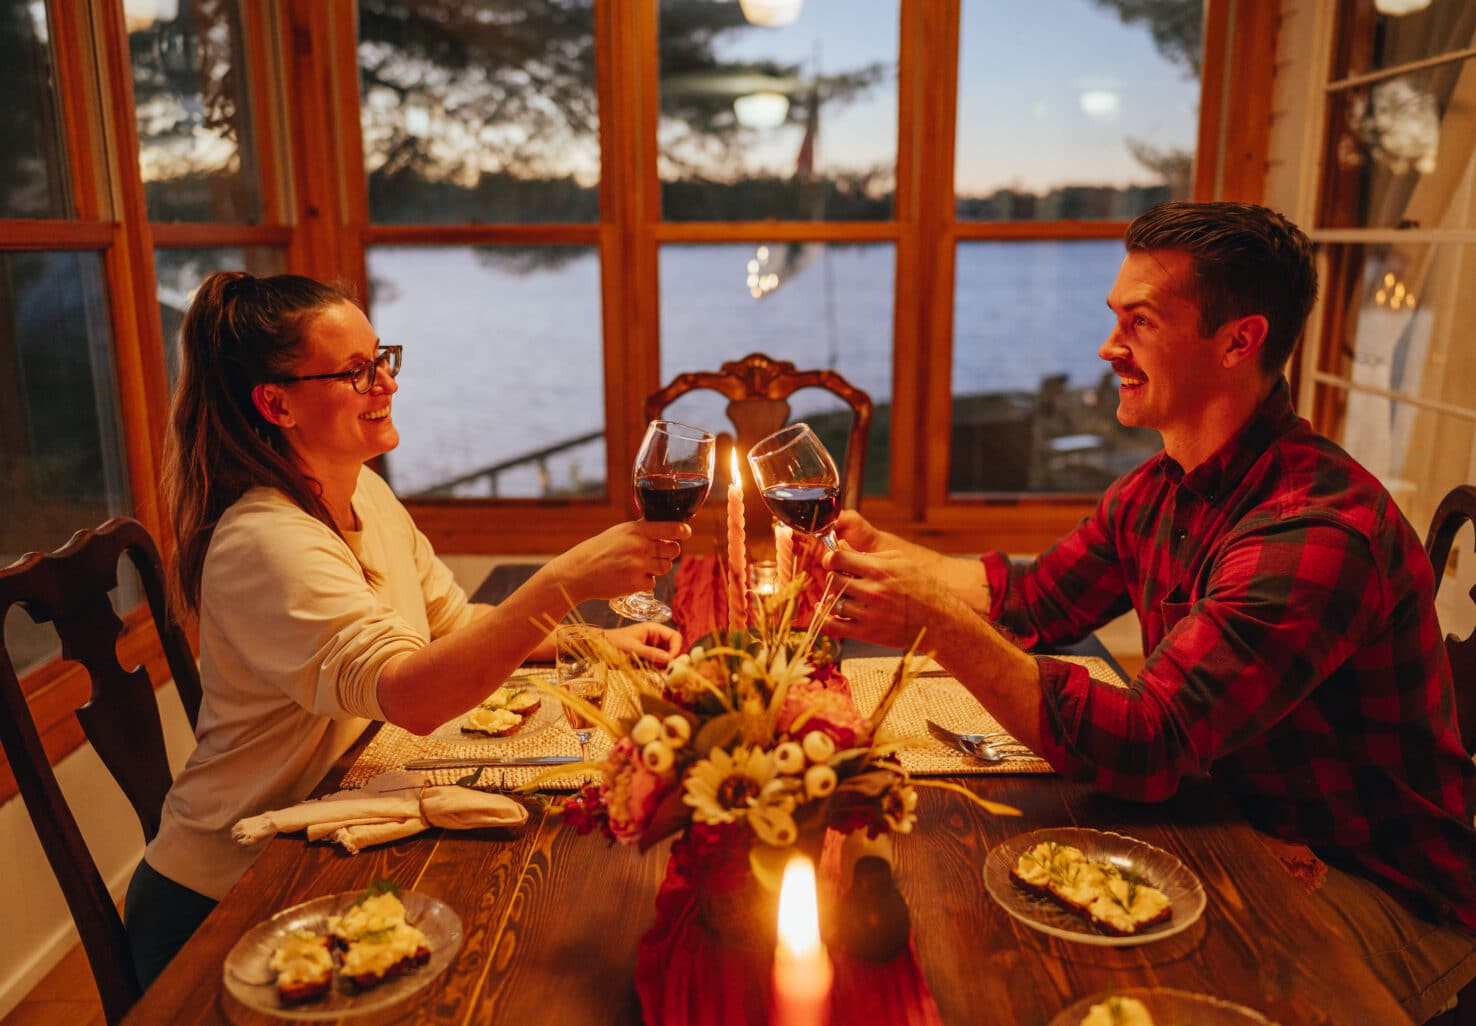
471 762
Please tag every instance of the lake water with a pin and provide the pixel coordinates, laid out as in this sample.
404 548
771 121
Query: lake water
501 360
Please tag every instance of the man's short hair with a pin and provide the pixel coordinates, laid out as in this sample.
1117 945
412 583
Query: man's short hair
1247 260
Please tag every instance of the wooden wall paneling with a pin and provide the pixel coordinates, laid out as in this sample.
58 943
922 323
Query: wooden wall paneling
936 119
54 235
1248 101
312 128
138 348
638 341
914 261
262 39
1216 78
1039 230
73 54
619 103
351 196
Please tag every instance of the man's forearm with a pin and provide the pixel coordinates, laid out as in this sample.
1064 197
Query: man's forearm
1004 679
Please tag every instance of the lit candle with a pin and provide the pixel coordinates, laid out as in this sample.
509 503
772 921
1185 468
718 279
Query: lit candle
784 551
802 970
737 551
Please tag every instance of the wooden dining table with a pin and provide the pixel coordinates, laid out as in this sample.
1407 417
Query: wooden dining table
552 918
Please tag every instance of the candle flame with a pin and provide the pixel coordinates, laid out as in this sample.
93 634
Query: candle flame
733 464
799 916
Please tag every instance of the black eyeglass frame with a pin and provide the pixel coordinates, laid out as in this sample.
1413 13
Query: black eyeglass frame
390 356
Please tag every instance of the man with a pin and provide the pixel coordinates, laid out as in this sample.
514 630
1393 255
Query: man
1287 607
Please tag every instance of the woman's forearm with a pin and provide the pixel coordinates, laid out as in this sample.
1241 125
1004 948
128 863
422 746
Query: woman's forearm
421 690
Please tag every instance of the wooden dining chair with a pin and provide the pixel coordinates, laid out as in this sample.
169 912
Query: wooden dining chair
1456 509
758 388
69 589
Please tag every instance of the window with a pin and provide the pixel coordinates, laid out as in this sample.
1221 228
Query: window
1392 375
487 119
1075 116
62 436
1395 379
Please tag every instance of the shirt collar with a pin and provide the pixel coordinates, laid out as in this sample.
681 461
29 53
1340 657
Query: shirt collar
1272 419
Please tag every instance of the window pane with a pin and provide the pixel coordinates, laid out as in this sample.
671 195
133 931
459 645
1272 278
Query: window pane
479 112
1376 40
1067 110
795 123
1402 152
503 380
180 271
822 307
61 462
196 144
1409 312
33 167
1034 407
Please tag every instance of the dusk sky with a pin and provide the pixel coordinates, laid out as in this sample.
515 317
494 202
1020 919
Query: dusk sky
1048 89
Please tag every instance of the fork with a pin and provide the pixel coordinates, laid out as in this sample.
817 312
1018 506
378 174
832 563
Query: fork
997 746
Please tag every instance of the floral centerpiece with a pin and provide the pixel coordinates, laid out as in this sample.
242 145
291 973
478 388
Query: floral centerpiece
747 746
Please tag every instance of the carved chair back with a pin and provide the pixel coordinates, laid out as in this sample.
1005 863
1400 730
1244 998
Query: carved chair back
1457 509
758 388
69 589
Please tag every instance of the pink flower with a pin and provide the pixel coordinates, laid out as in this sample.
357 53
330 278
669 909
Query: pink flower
825 706
632 791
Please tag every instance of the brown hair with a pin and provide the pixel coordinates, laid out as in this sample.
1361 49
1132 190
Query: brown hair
1247 260
239 332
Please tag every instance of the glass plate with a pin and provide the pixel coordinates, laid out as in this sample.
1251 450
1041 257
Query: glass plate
1156 866
1169 1008
549 711
249 977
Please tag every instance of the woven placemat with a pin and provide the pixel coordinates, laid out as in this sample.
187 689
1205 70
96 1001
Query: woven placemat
393 747
948 703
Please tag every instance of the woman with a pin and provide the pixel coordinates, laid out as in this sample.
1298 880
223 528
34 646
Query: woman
320 605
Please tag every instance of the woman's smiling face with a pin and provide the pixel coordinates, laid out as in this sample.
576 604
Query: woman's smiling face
333 426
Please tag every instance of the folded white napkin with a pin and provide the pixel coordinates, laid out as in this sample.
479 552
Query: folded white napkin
389 807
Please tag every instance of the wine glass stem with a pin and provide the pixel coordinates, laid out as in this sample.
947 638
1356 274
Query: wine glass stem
829 539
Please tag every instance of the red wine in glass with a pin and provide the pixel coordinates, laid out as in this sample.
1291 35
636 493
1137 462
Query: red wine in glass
811 509
798 480
672 475
671 496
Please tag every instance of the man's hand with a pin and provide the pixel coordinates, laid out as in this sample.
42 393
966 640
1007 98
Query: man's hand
964 577
890 599
656 643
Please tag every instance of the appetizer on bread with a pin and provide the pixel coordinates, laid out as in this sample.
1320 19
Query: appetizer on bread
1109 899
503 713
1118 1011
304 967
376 942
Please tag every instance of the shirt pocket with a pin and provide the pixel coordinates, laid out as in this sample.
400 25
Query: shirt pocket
1173 607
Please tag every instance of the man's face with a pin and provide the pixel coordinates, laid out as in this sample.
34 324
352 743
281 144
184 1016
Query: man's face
1167 371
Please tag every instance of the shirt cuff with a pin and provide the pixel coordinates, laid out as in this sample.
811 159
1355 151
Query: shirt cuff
1063 690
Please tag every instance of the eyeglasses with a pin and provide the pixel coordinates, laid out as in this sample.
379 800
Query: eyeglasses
361 375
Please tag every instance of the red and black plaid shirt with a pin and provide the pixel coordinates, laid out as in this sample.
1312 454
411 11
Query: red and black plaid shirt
1292 651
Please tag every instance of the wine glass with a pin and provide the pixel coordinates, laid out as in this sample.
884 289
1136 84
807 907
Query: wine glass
577 668
673 472
798 480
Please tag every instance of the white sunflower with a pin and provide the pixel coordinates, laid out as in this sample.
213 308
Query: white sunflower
722 787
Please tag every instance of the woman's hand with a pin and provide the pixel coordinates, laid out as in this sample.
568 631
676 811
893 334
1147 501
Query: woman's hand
656 643
621 559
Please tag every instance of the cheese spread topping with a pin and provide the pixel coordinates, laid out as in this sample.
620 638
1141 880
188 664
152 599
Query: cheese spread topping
491 721
302 958
1118 1011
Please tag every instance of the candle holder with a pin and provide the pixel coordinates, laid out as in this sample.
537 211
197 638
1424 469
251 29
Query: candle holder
763 577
